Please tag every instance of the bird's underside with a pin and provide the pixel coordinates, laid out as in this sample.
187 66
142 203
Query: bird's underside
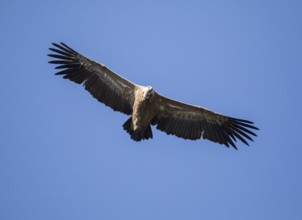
145 106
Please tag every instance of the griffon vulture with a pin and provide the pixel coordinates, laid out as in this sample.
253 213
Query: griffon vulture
147 107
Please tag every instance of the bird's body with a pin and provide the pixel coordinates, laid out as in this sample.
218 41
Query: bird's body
144 109
147 107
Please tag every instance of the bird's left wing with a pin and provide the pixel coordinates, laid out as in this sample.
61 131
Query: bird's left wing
194 122
103 84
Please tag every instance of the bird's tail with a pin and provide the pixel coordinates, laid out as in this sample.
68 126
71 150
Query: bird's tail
137 135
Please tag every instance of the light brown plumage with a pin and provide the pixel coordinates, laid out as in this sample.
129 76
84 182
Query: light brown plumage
146 106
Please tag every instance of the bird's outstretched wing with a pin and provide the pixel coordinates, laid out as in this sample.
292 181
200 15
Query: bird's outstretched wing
194 122
105 85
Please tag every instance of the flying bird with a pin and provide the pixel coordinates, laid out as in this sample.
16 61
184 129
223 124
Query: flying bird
147 107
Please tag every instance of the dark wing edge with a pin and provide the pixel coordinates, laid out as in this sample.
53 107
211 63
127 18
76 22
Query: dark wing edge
194 122
102 83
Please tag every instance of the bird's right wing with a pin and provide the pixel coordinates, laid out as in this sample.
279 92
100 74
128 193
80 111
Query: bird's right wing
103 84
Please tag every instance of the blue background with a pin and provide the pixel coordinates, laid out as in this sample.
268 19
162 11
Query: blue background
63 155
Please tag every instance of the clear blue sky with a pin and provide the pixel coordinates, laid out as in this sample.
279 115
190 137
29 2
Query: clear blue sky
63 155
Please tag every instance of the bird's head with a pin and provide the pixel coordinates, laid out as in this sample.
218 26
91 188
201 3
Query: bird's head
148 92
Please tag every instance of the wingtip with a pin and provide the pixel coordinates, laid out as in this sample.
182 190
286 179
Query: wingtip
241 120
232 144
